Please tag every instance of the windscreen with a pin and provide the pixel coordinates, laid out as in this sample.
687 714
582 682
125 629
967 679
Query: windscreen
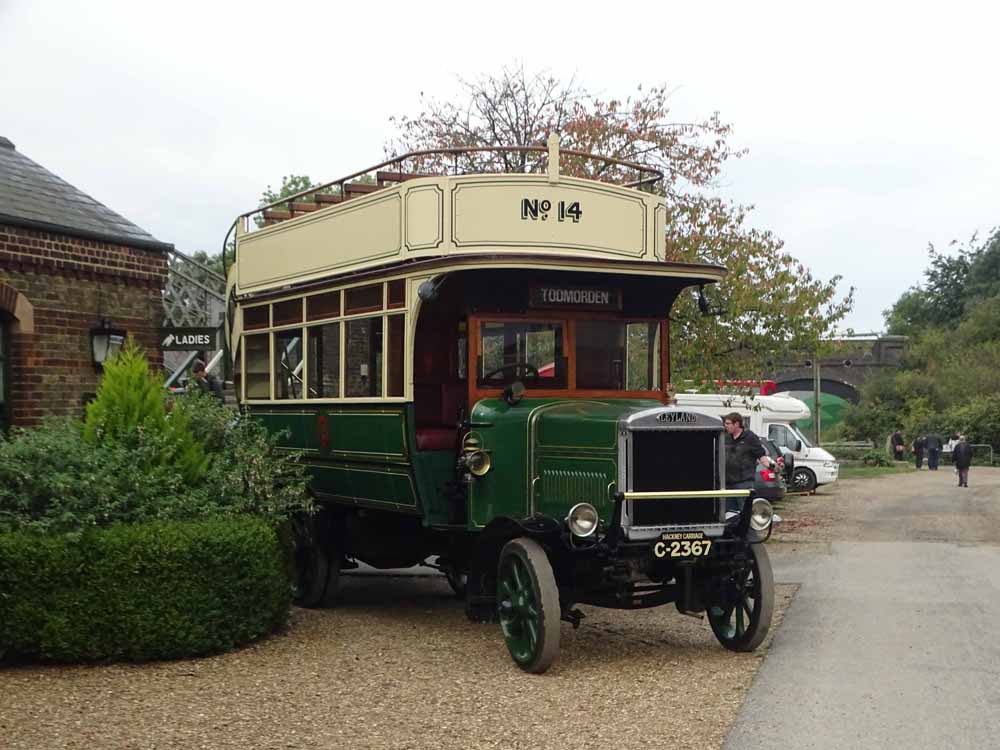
617 355
530 352
798 433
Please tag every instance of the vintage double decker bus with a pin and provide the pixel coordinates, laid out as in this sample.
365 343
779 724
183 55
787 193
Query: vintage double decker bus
475 368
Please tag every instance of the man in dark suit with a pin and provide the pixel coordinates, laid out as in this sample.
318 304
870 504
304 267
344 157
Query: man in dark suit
918 451
934 446
962 456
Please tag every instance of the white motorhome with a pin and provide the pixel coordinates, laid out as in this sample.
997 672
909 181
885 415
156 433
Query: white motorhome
773 417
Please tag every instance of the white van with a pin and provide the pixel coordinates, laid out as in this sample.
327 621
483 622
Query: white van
773 417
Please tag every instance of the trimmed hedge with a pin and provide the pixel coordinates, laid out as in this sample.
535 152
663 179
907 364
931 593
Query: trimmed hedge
155 590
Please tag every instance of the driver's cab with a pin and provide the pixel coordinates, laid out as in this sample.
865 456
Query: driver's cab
558 334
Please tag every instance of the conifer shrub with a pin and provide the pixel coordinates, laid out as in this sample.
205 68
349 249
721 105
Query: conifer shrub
130 405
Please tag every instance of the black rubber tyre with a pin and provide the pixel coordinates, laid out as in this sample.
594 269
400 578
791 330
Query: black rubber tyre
803 480
742 621
528 605
331 591
312 564
458 581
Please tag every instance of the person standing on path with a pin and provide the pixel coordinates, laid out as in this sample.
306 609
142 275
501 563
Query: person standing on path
918 451
743 453
897 445
934 446
962 457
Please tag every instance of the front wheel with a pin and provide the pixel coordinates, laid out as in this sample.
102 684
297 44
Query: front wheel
743 617
803 480
528 605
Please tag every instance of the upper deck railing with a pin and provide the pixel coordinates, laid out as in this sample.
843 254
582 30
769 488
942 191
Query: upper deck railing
442 162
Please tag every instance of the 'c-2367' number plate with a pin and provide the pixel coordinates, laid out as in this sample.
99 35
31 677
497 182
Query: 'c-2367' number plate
681 544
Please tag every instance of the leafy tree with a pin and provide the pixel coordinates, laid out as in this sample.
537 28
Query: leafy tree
950 375
772 304
290 185
953 284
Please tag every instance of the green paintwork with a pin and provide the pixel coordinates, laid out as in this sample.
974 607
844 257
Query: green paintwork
432 470
547 456
566 448
362 456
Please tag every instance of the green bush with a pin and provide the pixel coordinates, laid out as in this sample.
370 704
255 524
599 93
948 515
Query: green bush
131 409
157 590
876 458
51 479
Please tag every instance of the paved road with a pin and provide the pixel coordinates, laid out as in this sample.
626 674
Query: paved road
892 640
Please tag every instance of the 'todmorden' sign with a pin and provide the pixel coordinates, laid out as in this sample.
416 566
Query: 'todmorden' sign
578 298
188 339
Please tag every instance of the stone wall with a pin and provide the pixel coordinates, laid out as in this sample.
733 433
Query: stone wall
72 284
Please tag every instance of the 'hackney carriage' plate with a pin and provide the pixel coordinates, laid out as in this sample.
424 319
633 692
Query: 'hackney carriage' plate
681 545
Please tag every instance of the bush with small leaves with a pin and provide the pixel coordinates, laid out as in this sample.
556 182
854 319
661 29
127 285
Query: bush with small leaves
157 590
876 458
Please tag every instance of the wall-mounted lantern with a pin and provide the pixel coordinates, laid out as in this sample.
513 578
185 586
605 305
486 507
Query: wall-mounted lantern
105 342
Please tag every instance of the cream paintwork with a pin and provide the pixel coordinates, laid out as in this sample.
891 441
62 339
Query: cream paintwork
234 326
442 216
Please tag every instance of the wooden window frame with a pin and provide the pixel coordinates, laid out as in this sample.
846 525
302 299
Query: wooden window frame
342 318
569 320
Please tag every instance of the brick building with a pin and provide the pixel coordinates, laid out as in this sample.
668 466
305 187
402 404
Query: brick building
68 265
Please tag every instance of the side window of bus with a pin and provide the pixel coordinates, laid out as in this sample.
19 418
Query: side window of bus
258 366
364 357
288 363
324 361
780 435
395 351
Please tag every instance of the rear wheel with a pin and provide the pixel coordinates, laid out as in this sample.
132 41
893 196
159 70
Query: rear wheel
741 620
312 563
317 563
458 581
528 605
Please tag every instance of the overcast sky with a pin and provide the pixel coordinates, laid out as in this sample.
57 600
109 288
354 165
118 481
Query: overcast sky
871 127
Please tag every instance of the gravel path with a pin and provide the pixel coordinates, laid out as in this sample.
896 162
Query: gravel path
399 666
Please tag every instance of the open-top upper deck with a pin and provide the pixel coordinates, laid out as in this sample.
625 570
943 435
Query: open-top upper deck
345 228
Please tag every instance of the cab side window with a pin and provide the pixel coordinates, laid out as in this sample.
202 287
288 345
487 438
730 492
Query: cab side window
780 435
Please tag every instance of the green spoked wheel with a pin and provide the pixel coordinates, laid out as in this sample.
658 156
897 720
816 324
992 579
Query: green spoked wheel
741 621
528 605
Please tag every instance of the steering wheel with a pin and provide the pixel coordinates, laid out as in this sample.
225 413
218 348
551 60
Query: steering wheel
529 371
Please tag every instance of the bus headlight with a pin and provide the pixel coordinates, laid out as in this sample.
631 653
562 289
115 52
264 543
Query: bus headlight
478 462
582 519
761 514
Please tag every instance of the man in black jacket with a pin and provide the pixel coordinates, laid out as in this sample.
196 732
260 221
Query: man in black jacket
743 453
207 382
962 456
933 450
919 443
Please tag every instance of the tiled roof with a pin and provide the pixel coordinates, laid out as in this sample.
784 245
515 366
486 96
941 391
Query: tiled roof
32 196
